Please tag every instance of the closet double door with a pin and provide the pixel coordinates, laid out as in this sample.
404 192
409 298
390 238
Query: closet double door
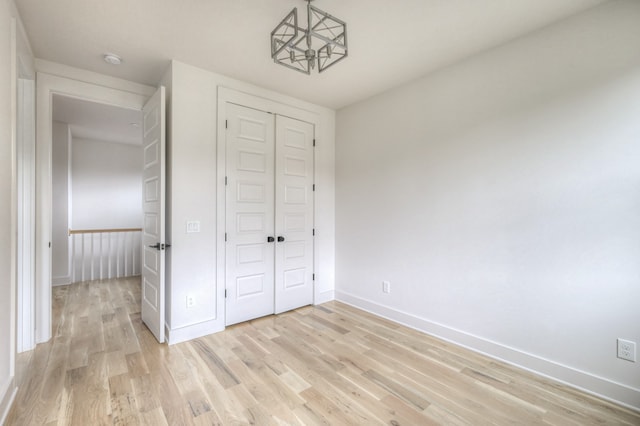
269 213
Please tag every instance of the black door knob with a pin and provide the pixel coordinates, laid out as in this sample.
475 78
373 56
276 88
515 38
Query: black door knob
270 239
280 239
155 246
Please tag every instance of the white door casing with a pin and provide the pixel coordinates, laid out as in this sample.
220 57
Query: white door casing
124 95
294 214
250 214
153 235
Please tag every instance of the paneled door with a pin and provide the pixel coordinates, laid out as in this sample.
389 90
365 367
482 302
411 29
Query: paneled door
269 213
249 214
294 214
153 243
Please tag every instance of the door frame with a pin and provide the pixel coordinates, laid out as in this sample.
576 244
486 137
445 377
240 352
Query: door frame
46 86
225 95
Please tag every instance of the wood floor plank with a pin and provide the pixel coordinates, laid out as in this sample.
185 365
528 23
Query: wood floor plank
318 365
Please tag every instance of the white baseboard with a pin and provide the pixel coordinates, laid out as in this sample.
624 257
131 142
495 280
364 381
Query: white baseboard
192 331
324 297
587 382
65 280
7 395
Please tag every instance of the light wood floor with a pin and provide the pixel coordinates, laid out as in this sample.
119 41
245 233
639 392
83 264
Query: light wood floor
330 364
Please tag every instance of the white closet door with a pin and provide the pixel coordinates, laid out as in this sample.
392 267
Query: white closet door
249 214
294 214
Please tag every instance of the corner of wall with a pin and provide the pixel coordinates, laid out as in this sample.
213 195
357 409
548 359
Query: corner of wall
8 394
192 331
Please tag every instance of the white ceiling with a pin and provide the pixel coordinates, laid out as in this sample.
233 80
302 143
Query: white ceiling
390 41
90 120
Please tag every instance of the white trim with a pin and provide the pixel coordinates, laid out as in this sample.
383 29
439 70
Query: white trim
225 95
25 160
192 331
13 226
76 74
9 391
324 297
58 281
47 85
599 386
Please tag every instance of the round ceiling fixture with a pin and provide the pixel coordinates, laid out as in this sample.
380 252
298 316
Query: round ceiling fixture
112 58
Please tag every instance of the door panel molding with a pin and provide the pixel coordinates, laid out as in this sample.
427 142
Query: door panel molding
294 198
249 195
153 207
227 95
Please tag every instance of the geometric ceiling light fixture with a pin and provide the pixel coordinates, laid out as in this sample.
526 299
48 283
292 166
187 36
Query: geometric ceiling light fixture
323 42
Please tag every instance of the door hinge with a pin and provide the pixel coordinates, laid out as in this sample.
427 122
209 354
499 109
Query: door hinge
313 232
226 124
314 142
225 236
313 277
225 293
314 186
49 244
225 181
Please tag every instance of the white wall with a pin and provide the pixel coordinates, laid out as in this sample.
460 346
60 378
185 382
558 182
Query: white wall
500 197
60 156
106 185
16 61
6 86
191 180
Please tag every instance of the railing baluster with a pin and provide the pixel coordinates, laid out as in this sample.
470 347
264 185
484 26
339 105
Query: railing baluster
100 277
82 263
91 256
124 237
73 258
116 257
109 256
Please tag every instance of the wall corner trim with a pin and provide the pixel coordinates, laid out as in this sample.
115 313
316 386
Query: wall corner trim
324 297
192 331
598 386
7 396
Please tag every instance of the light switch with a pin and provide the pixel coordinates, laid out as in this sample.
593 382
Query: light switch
193 226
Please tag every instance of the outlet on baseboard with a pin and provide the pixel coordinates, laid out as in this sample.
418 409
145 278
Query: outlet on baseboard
386 287
627 350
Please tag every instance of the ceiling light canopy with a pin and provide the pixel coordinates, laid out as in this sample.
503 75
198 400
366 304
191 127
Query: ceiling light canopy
323 42
112 58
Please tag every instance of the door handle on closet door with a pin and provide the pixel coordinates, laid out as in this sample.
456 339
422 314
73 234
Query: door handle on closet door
270 239
280 238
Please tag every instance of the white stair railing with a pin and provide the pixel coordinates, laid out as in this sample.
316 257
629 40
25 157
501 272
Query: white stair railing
98 254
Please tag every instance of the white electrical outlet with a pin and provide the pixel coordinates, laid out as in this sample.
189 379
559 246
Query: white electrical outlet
386 287
627 350
191 301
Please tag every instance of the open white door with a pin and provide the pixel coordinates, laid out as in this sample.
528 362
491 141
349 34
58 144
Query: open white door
153 243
